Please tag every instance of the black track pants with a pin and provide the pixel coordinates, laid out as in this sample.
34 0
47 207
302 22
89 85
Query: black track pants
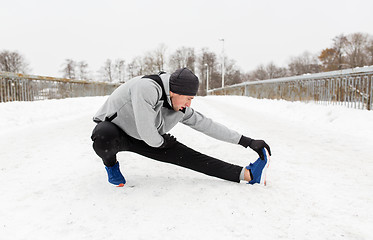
108 140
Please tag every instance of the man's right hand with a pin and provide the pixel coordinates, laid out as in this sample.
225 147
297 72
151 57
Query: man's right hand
168 141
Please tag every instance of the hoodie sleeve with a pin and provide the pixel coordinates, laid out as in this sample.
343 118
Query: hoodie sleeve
207 126
145 96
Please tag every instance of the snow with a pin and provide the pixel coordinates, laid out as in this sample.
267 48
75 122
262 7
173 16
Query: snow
320 182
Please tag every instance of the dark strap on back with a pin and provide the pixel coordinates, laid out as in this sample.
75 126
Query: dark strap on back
109 119
158 80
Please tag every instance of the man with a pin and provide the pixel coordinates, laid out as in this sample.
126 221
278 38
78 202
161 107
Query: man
137 116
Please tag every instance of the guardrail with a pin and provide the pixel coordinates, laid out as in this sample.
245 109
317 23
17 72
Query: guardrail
21 87
350 87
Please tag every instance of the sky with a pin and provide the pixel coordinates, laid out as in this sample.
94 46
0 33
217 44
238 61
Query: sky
255 32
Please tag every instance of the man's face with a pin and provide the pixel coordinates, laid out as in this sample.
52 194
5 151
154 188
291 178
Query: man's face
180 101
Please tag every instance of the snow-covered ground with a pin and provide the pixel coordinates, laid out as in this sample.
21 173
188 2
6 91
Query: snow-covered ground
320 182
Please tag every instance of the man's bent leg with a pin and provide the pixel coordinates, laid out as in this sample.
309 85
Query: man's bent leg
108 140
184 156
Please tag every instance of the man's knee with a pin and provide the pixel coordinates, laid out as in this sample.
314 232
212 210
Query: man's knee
105 130
106 139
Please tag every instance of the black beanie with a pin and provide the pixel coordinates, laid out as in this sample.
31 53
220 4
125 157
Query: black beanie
184 82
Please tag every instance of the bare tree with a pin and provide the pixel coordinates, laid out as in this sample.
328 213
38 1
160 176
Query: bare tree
246 77
305 63
369 51
183 57
260 73
207 61
339 44
69 69
149 61
82 70
119 70
275 72
160 57
131 69
269 71
12 62
232 72
136 67
107 70
355 47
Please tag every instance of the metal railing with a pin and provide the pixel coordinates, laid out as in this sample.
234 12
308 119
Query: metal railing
350 87
21 87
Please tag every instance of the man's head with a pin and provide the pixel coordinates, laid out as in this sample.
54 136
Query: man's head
183 87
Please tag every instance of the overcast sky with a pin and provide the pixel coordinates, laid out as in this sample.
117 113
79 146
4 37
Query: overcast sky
257 32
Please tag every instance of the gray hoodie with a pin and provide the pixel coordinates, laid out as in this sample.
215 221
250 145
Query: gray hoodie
140 113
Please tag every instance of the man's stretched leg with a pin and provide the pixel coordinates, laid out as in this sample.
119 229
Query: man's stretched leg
184 156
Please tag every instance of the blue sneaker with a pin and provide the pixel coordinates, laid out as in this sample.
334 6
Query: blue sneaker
259 169
115 176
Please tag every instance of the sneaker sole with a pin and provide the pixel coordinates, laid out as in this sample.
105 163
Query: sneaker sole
263 178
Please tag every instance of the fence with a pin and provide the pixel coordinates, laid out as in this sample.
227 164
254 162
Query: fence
20 87
350 87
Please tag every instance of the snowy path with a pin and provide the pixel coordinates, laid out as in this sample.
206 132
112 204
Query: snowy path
320 180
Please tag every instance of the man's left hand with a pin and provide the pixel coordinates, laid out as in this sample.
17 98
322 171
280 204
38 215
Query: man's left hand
256 145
